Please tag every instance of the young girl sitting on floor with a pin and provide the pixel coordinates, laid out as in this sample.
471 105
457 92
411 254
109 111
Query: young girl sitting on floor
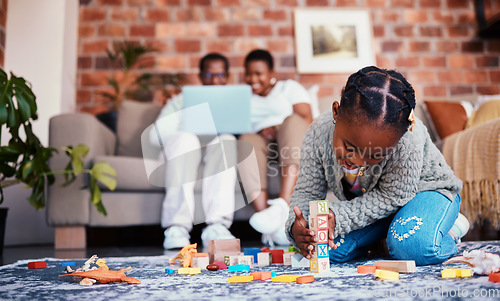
390 179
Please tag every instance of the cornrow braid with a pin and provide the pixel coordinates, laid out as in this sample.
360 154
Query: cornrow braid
383 96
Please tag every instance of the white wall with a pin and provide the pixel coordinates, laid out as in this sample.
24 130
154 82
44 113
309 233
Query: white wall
41 46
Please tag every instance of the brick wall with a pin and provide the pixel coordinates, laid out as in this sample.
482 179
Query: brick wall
3 23
432 42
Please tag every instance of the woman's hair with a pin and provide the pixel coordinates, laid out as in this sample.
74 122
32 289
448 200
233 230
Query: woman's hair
260 55
382 96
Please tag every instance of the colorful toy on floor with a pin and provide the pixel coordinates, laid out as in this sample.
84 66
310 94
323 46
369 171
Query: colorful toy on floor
299 261
87 266
253 252
184 256
386 275
264 258
305 279
240 279
222 265
494 277
199 260
103 275
212 267
318 223
239 268
189 271
400 266
68 263
261 275
37 265
366 269
219 248
482 263
169 271
285 278
456 273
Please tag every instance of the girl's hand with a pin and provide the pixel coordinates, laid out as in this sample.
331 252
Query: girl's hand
331 229
302 235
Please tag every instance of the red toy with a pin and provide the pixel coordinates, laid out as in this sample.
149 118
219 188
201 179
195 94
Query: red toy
37 265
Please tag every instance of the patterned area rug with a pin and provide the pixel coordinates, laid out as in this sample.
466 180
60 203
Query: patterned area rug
17 282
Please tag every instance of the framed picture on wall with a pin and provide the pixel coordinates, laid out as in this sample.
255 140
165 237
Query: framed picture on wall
333 40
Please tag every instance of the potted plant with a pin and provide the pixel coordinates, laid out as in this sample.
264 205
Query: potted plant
127 83
25 160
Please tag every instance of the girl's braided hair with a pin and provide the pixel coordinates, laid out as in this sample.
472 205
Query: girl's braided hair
383 96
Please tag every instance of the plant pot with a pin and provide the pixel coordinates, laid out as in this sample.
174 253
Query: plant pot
109 119
3 219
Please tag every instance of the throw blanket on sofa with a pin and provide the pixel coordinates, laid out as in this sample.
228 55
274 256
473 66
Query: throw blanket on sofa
474 155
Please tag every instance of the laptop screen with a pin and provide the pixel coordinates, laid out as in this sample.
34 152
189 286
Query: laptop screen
211 110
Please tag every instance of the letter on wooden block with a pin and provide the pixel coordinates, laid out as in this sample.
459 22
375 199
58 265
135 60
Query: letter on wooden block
318 222
200 262
318 208
231 259
287 258
322 235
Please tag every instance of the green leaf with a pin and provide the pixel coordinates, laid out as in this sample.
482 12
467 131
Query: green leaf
77 154
7 170
104 173
37 198
8 154
28 169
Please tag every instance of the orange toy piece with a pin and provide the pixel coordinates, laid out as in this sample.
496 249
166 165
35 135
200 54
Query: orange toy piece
185 256
104 275
365 269
305 279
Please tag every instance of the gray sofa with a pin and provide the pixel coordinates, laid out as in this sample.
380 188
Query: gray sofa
135 201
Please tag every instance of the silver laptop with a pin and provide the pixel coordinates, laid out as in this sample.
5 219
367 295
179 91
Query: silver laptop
211 110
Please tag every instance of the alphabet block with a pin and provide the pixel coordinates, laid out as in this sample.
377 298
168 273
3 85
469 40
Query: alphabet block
318 222
400 266
252 251
277 256
219 248
319 265
231 259
200 261
246 259
322 235
287 258
320 251
264 258
318 208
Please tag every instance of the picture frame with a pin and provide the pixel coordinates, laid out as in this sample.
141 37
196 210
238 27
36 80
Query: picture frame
333 40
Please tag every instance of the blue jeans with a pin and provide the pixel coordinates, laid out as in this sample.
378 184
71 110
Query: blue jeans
418 231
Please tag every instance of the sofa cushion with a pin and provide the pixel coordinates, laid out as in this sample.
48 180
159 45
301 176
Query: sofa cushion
130 173
133 118
486 112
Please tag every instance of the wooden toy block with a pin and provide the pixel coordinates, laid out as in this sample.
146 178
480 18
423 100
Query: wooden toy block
261 275
253 252
320 251
319 265
264 250
454 273
298 261
68 263
318 208
231 259
318 222
464 273
189 271
366 269
219 248
293 249
305 279
168 271
287 258
386 275
239 268
273 273
277 256
200 262
322 236
37 265
246 259
239 279
285 278
264 258
494 277
400 266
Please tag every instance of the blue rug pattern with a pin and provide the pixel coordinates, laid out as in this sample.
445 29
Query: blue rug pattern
17 282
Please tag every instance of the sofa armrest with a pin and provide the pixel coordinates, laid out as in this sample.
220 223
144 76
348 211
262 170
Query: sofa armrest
70 205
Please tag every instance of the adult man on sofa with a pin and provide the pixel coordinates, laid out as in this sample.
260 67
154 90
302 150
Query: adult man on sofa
183 152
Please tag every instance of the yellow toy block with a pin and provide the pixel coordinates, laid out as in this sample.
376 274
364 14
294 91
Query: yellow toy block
285 278
464 273
189 271
319 265
240 279
454 273
386 275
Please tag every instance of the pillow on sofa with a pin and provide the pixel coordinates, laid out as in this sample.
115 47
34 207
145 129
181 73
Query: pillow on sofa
448 117
133 118
486 112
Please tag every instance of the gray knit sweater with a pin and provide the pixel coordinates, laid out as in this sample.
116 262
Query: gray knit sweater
415 165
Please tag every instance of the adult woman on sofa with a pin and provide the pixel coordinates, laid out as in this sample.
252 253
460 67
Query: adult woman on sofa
281 113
